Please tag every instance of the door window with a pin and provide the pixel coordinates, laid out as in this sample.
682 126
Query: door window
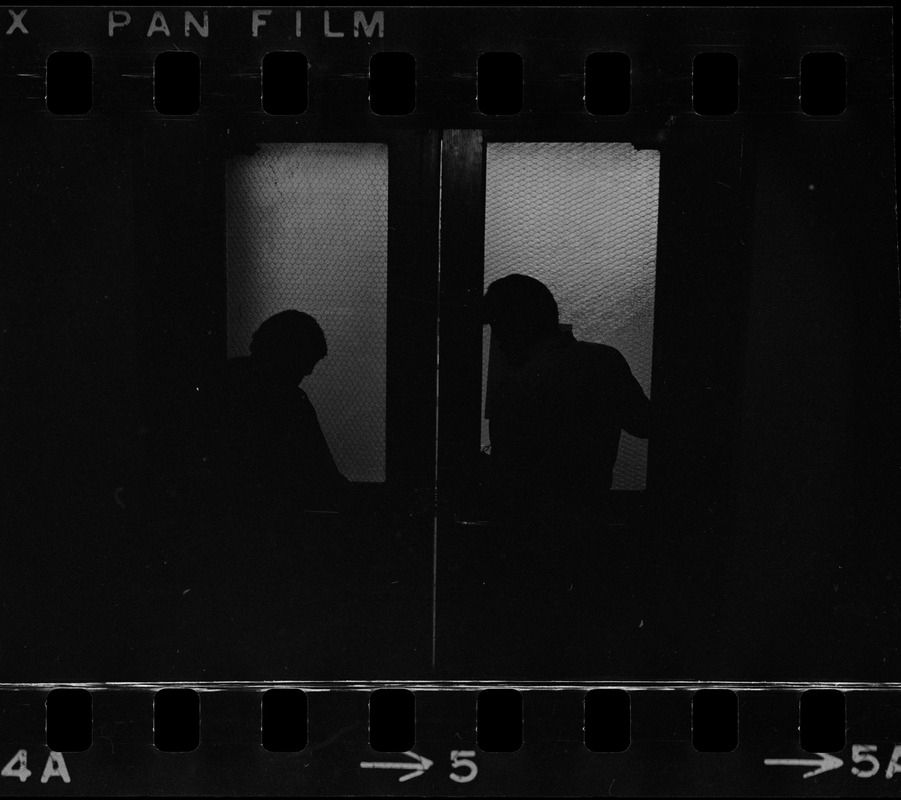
582 218
307 228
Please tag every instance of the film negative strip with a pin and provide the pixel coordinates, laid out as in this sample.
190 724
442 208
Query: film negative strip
449 401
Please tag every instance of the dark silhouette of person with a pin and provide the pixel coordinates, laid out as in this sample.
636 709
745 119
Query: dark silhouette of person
554 581
264 442
559 405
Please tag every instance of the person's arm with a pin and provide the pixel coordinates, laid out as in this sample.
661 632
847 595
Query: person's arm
633 406
314 476
324 469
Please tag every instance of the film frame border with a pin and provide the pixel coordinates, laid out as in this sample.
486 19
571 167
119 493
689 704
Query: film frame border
29 105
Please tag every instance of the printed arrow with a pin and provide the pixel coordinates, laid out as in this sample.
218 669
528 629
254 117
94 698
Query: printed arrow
416 769
824 763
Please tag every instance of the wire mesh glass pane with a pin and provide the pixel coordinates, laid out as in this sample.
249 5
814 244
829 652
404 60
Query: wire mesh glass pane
308 229
582 218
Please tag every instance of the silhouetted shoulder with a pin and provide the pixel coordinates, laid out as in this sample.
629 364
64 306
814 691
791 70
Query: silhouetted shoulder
603 357
631 406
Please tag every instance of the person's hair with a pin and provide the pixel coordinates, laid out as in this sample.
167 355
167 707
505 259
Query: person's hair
289 330
522 299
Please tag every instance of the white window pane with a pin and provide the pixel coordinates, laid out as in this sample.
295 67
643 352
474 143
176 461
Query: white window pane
308 229
582 218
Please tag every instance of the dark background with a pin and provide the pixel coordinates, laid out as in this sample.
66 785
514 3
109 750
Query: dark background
766 539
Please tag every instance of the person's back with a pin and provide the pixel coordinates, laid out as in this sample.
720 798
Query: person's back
557 414
556 420
271 432
264 439
557 409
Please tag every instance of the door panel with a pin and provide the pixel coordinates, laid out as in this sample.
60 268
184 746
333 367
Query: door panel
347 231
581 217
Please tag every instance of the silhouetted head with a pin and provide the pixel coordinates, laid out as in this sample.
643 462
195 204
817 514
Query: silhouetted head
289 345
521 312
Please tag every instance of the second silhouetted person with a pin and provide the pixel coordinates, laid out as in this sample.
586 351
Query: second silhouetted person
557 410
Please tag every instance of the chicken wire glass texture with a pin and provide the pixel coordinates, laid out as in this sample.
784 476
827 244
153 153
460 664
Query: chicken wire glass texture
308 229
582 218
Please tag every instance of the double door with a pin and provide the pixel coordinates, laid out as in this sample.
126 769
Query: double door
389 241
